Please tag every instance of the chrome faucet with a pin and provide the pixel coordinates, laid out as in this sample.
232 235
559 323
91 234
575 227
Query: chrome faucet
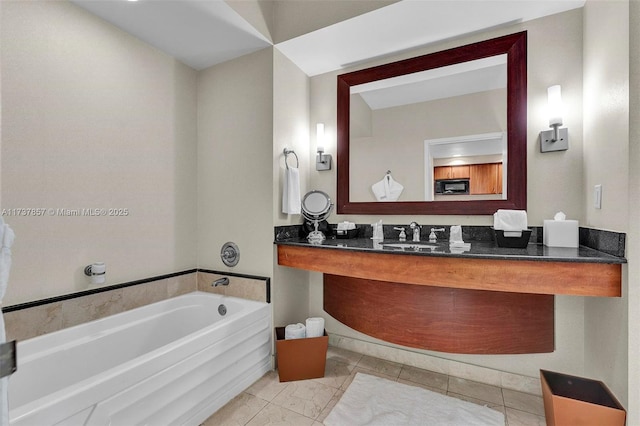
220 281
416 231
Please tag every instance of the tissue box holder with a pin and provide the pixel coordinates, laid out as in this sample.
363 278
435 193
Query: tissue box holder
300 359
349 233
560 233
512 242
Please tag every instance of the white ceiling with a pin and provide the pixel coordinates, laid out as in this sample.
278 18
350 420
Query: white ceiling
199 33
409 24
202 33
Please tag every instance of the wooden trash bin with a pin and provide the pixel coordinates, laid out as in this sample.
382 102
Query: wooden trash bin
571 401
300 359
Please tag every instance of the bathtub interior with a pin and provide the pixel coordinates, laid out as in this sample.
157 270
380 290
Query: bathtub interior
97 358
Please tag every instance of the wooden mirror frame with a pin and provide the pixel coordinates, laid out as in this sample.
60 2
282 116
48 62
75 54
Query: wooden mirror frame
515 46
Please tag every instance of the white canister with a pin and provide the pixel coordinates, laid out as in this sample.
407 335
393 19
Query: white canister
98 273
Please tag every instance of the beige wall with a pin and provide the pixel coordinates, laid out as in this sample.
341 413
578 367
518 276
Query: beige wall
93 118
554 57
633 235
606 103
235 132
291 131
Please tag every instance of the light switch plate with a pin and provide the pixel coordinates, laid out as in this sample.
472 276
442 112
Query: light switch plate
597 196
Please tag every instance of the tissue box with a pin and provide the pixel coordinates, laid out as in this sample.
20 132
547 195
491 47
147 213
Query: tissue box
570 400
300 359
560 233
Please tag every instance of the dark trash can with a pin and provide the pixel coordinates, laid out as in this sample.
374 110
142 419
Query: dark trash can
571 401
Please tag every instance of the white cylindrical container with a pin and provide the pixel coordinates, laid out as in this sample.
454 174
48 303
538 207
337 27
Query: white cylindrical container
98 273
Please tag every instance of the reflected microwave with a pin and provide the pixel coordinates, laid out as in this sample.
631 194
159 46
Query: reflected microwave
452 186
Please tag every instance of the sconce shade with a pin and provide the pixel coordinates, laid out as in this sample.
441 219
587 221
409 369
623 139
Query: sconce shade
320 137
554 94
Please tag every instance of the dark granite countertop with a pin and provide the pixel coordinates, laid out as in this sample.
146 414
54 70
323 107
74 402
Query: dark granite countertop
478 250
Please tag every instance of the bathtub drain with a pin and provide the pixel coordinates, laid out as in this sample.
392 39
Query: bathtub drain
222 310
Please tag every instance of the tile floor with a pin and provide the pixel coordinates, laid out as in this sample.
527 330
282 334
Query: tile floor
308 402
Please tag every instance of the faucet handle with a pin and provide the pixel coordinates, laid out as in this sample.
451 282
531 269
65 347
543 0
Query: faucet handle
432 236
403 235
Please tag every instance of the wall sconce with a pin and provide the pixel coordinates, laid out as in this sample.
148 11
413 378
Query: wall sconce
556 139
323 161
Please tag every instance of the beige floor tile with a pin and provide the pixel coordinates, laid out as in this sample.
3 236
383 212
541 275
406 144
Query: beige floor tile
330 405
424 377
423 386
488 393
521 418
306 397
335 374
523 401
382 366
356 370
493 406
238 412
267 387
343 355
273 415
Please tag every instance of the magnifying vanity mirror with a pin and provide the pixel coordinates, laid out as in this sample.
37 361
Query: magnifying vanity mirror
451 125
316 207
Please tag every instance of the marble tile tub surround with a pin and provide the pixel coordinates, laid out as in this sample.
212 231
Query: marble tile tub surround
242 286
605 241
33 319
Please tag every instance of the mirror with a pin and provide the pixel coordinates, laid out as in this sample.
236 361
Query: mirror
316 207
376 132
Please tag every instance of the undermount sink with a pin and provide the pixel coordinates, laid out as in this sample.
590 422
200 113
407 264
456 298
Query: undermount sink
415 246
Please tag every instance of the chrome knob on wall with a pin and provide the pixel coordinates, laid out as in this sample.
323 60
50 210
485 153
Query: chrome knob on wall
230 254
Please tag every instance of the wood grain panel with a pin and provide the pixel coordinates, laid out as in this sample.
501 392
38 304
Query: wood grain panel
443 319
519 276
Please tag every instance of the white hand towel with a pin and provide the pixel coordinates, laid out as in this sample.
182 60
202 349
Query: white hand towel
295 331
387 189
315 327
291 203
6 241
512 222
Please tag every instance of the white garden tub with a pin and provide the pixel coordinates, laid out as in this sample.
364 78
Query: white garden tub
169 363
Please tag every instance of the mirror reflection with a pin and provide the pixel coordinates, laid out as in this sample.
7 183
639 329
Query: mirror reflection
440 134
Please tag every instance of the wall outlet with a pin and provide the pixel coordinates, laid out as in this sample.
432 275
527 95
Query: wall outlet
597 196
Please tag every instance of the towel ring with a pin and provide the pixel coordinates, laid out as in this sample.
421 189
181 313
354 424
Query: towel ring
286 153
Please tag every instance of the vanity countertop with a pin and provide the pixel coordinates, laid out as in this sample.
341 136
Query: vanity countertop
478 250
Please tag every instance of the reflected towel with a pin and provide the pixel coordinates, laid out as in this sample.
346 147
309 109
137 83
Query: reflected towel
513 222
291 203
387 189
6 241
